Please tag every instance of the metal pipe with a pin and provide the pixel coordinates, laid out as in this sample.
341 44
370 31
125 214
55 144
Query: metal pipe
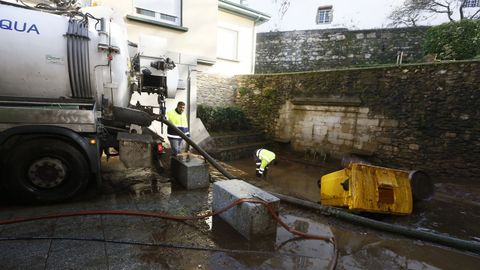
188 96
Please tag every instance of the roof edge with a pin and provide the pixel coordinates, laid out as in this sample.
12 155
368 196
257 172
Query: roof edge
243 11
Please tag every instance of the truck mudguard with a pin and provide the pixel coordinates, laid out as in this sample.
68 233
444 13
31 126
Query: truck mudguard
91 152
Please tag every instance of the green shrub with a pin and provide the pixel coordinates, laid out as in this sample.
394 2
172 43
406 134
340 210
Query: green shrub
454 40
242 91
218 119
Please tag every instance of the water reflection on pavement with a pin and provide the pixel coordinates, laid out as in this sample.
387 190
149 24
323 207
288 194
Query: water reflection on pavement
147 243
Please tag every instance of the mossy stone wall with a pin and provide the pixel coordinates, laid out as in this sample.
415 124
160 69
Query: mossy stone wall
424 116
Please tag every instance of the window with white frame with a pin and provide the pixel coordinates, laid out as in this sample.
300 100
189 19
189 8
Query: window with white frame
324 15
227 44
471 3
166 11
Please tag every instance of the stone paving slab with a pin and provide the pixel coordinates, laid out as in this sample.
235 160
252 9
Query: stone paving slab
21 255
126 228
40 228
86 226
141 257
76 255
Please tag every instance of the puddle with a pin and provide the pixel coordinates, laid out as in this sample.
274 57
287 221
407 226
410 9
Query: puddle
454 210
451 204
280 251
369 251
289 177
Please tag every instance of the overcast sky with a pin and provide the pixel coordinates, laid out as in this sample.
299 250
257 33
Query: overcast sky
351 14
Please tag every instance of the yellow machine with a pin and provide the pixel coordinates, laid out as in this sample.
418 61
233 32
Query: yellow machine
367 188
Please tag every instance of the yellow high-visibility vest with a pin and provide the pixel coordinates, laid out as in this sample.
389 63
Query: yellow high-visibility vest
265 157
180 121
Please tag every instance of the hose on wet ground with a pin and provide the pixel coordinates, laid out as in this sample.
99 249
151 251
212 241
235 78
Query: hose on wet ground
196 147
230 176
155 244
268 206
396 229
444 240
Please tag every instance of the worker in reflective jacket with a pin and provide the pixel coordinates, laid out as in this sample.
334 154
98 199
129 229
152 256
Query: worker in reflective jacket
263 158
179 119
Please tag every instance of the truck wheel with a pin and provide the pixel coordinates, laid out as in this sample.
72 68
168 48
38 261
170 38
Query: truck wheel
46 170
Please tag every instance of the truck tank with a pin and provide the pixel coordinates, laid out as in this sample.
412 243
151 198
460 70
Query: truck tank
65 86
53 56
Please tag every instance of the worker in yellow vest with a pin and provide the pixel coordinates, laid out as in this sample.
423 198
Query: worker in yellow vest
179 119
263 158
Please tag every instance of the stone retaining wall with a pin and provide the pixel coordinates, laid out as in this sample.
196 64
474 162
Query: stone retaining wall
215 90
322 49
414 116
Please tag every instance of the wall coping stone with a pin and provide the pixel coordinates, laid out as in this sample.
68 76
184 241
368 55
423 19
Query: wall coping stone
336 30
328 101
386 66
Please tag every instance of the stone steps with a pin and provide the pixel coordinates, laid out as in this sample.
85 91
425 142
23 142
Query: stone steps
237 145
237 138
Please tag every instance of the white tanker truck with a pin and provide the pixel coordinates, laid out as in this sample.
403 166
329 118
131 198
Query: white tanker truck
65 86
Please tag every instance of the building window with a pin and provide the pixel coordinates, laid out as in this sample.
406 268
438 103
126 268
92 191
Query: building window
471 3
167 11
227 44
324 15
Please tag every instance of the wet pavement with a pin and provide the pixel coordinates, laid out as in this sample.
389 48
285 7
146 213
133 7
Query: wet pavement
127 242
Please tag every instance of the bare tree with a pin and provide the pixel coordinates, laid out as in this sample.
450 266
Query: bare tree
283 7
413 11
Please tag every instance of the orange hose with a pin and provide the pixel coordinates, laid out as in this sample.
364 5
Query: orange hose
182 218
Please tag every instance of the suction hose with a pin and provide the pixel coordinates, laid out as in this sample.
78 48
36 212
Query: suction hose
396 229
196 147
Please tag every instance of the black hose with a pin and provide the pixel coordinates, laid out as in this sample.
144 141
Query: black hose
194 145
396 229
156 244
81 58
70 56
87 64
76 77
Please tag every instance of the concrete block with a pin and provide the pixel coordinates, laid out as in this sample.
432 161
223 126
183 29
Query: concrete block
249 219
192 173
135 149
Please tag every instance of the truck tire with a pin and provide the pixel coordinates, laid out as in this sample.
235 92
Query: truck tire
46 170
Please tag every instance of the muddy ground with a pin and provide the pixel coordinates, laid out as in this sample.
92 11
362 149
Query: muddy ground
127 242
